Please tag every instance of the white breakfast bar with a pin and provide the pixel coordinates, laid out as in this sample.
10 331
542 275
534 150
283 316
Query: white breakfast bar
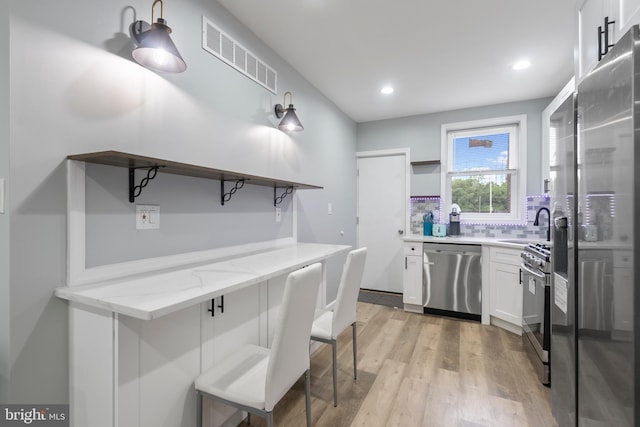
137 342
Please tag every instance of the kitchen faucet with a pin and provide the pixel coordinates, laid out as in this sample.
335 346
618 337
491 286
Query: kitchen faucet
537 222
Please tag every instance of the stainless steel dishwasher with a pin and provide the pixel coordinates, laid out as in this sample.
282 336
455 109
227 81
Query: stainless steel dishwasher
453 277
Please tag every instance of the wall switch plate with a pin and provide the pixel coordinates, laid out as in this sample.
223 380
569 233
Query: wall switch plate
1 195
147 217
278 214
330 208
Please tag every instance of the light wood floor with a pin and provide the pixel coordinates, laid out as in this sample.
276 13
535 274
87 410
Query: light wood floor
419 370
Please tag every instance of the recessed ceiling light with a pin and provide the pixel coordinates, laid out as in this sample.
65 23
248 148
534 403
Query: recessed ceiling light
521 65
386 90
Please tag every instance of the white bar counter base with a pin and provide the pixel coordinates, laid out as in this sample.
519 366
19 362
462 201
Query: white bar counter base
158 294
137 342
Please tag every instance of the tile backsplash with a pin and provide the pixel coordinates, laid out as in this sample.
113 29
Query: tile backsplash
422 204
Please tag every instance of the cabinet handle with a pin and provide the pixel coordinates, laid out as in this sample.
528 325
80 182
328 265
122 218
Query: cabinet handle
405 263
599 42
603 46
212 310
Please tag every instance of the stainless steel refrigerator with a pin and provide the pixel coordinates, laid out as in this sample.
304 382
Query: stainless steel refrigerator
594 351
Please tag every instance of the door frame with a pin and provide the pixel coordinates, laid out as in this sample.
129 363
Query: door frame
406 152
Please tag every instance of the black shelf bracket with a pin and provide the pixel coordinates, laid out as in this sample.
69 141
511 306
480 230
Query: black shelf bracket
225 197
135 190
212 310
278 199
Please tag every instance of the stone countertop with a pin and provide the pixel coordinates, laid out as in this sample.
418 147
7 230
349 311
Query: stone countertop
516 243
156 294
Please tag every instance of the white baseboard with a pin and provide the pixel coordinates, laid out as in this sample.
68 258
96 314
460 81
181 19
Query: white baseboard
514 329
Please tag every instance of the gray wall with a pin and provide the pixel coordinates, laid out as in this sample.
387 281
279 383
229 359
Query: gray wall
191 216
422 135
78 92
4 218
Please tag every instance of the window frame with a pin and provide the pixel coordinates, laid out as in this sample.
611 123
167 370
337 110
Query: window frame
517 149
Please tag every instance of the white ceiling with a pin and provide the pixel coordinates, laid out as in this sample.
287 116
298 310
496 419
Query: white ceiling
438 55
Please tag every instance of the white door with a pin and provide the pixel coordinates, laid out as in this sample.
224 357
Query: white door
382 203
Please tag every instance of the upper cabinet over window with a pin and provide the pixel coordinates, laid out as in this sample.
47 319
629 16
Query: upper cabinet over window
601 23
484 169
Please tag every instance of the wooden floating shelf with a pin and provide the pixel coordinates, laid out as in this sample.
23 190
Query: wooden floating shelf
126 160
425 163
153 166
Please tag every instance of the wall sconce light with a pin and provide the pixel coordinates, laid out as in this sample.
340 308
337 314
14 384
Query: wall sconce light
290 122
154 47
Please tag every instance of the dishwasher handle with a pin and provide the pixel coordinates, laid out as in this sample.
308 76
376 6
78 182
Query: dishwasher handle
446 252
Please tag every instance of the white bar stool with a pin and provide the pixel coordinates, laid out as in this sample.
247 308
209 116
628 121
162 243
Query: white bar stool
330 324
255 378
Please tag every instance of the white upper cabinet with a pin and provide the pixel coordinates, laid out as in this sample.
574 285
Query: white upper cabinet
627 14
601 23
591 33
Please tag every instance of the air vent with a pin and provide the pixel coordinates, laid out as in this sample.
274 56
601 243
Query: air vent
225 48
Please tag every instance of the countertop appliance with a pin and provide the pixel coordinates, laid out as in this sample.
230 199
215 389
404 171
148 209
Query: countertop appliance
453 278
454 221
439 230
535 278
595 335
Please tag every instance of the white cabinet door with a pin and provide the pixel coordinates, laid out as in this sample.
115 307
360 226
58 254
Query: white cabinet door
239 324
506 291
276 292
412 279
158 361
626 14
232 327
591 15
622 15
412 283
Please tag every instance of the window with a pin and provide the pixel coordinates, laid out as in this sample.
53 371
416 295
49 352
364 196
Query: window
484 169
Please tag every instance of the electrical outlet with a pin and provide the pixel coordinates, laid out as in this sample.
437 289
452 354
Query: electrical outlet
147 217
278 214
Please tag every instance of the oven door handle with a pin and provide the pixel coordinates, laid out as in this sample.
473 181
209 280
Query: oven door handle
530 271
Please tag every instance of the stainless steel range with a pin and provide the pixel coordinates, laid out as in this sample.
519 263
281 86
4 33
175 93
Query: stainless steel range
535 278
